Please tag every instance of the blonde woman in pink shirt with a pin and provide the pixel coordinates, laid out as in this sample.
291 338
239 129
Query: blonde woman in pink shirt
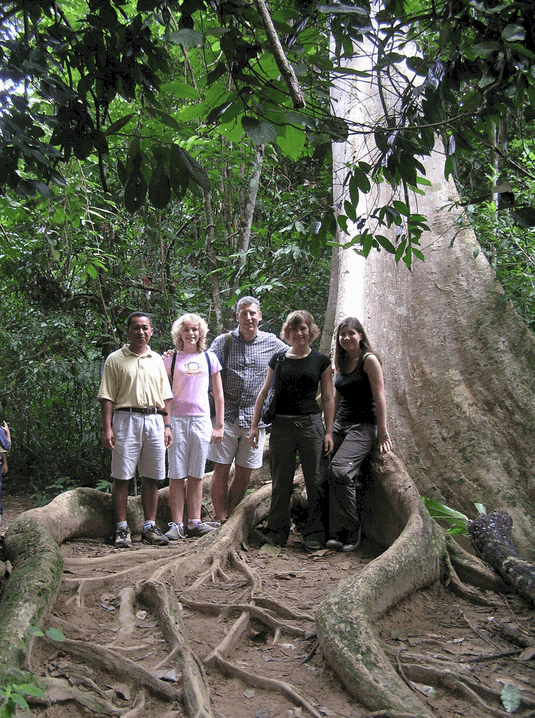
191 371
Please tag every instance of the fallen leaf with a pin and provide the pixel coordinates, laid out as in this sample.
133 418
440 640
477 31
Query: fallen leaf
527 653
249 693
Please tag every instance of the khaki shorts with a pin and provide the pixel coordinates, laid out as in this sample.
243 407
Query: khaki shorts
139 441
236 446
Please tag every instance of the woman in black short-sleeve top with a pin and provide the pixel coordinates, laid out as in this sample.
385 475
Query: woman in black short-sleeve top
297 428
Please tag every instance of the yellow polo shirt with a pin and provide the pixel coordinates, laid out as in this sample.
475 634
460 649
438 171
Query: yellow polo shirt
136 380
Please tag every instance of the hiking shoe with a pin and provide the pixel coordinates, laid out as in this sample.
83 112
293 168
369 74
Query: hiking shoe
123 538
154 536
199 529
272 540
311 545
353 542
176 531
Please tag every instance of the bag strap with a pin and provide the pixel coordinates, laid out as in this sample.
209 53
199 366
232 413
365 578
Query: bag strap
279 361
209 371
172 368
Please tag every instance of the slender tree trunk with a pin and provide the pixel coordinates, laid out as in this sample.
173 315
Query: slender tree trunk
212 259
248 213
459 363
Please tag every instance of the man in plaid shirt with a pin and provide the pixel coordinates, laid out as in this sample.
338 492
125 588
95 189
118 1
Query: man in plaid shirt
244 354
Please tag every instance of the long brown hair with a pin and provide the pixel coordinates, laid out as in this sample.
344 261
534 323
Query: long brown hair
341 357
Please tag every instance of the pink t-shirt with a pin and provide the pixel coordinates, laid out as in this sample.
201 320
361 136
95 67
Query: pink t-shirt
190 382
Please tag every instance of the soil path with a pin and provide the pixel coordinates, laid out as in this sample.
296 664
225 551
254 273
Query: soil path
433 623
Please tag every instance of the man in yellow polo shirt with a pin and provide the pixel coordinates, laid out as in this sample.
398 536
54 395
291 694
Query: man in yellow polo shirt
135 398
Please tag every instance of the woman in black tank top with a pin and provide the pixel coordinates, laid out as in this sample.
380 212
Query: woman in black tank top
360 420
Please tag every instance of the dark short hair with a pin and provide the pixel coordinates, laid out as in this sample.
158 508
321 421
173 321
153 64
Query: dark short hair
133 315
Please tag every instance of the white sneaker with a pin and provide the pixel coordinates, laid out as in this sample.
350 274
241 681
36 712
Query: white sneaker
176 531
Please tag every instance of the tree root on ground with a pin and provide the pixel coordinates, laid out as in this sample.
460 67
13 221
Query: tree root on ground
344 622
345 618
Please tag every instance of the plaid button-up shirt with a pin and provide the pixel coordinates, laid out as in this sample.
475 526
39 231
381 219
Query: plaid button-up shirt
245 371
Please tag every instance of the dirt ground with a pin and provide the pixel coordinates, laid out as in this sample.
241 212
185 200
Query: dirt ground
434 625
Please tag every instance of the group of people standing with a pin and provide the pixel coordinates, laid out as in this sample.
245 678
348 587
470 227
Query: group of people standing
152 404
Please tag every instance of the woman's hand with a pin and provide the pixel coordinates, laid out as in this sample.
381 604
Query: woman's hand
253 437
385 442
217 434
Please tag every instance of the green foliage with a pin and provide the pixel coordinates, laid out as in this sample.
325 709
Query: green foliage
457 522
12 697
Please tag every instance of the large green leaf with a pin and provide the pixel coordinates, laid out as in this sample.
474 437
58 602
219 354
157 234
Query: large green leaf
160 187
260 132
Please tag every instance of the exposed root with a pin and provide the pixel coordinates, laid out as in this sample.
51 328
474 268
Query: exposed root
138 709
231 639
58 690
212 573
282 609
126 612
194 683
120 666
266 683
254 611
465 591
345 618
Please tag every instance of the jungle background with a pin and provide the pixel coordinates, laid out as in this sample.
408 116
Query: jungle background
152 158
162 156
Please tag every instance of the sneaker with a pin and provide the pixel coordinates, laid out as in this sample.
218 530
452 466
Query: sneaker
154 536
199 529
176 531
311 545
123 538
334 545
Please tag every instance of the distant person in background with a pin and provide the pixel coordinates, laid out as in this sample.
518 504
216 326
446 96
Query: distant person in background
244 354
360 422
191 371
3 452
135 399
297 429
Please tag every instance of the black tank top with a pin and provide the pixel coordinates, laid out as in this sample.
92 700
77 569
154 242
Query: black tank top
357 405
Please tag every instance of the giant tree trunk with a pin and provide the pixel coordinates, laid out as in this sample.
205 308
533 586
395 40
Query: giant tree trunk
458 361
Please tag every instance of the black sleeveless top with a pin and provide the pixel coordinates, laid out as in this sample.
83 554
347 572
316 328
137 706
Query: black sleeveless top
357 405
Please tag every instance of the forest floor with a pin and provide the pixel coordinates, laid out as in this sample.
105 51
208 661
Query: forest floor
433 623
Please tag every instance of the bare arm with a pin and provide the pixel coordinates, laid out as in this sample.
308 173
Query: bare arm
108 437
4 462
373 369
6 429
219 401
327 400
253 435
167 433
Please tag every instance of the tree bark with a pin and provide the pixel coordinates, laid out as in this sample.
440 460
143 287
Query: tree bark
458 361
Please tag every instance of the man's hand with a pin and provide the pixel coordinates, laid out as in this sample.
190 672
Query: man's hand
108 439
217 434
328 443
253 437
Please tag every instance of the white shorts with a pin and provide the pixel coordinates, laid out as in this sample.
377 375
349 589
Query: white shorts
191 441
139 441
235 445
